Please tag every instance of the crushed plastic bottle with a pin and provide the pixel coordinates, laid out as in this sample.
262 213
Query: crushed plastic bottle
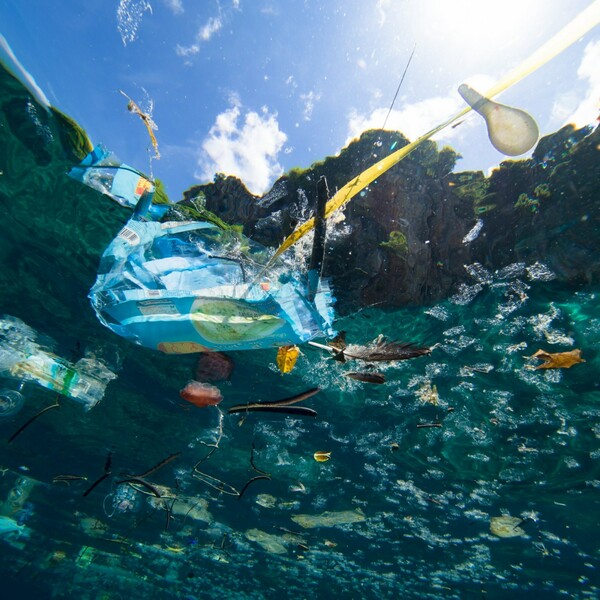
22 358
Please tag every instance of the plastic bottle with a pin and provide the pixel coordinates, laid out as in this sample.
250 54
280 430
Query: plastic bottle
58 375
17 496
22 358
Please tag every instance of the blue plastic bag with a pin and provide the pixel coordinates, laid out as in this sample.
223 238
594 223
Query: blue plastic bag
191 286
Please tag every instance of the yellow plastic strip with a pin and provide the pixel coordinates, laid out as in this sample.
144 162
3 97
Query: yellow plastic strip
581 24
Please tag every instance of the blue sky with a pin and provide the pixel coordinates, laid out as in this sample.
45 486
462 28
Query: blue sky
256 87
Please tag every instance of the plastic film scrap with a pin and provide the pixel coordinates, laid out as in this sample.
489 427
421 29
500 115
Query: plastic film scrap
189 286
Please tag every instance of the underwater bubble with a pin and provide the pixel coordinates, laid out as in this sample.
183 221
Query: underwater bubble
466 293
129 18
438 312
474 232
510 271
540 272
479 273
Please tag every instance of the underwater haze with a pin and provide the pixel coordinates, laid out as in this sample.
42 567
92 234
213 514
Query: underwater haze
450 450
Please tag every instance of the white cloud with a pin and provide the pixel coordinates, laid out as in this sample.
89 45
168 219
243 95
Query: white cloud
416 119
187 51
205 33
245 144
586 110
309 101
413 120
380 7
175 5
211 27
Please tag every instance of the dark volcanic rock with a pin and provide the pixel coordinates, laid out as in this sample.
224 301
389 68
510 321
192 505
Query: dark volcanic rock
402 239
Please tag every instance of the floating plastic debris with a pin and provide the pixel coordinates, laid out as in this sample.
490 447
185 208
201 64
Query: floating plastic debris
428 393
366 377
512 131
279 406
558 360
329 519
191 286
322 456
146 118
266 500
22 357
287 357
9 527
506 527
268 541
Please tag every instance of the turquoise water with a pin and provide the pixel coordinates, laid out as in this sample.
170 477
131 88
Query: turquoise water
407 507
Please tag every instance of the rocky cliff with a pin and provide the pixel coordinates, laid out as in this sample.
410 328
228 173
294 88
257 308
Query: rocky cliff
407 238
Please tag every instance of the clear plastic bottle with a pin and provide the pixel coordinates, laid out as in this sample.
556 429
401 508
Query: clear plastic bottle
22 358
56 374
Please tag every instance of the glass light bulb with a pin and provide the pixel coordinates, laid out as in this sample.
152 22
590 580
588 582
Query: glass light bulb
512 131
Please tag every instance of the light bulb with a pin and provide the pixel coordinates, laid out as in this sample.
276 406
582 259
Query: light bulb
512 131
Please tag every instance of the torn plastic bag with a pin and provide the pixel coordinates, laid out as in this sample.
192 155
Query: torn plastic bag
192 286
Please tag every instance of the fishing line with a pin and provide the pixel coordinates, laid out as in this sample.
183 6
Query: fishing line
399 86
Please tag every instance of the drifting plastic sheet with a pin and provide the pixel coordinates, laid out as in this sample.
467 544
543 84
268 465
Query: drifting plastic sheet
183 287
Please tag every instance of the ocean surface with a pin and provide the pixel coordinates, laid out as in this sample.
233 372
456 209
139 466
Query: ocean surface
420 468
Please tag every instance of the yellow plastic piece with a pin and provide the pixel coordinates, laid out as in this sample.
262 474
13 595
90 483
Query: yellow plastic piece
322 456
287 357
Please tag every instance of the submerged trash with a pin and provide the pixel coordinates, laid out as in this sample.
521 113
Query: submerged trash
18 495
268 541
428 393
146 118
123 499
366 377
214 366
322 456
22 357
201 394
287 357
379 350
11 402
30 421
512 131
188 286
10 527
252 480
329 519
105 475
506 527
280 406
557 360
266 500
